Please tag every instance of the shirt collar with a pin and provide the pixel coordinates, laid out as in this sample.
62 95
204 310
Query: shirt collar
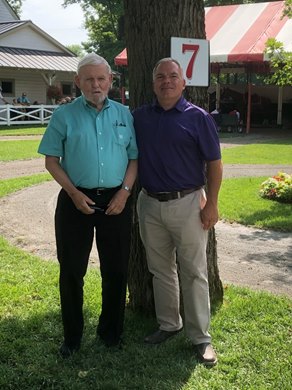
91 105
179 106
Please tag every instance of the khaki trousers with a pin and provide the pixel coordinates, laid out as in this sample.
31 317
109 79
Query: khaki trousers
175 245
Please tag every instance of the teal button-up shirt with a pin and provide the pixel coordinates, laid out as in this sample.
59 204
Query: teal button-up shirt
95 147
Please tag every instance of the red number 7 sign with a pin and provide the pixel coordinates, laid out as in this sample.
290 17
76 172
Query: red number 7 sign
194 49
194 58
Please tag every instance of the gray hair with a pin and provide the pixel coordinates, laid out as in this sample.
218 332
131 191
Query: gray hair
166 59
93 59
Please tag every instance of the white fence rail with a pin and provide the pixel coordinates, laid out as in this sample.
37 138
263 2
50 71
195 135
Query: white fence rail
25 115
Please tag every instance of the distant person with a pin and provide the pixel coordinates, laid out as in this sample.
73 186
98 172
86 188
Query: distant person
91 152
235 112
14 113
65 100
23 99
217 115
2 100
239 124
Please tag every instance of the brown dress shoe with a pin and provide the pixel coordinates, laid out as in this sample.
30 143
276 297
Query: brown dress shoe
160 336
206 354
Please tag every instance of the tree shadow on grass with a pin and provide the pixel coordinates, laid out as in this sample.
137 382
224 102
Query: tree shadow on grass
275 218
30 359
258 136
271 247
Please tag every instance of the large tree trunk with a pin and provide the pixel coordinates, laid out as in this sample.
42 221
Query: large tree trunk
149 25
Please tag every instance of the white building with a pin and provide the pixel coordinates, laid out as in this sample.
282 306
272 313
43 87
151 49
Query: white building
31 60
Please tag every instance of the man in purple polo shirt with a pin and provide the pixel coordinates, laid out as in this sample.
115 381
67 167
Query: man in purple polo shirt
178 152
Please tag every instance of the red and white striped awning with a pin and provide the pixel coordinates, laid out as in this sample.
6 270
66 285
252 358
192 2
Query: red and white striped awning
238 33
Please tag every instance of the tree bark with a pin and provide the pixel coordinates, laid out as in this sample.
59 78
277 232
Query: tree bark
149 25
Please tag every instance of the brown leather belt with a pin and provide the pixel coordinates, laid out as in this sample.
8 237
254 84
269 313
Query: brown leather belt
166 196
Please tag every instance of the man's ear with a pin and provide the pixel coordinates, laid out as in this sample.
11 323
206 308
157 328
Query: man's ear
77 81
111 79
184 84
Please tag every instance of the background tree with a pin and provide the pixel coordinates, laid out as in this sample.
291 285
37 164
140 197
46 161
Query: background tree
280 60
76 49
104 24
288 8
211 3
149 26
15 5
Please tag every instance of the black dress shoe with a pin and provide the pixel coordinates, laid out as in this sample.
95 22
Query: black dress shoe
113 343
160 336
206 354
67 351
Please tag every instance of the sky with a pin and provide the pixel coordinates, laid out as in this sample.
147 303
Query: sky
63 24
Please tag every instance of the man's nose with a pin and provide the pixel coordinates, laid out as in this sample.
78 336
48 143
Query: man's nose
95 83
166 79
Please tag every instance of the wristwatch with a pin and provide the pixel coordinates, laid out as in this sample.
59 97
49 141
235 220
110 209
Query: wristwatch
127 188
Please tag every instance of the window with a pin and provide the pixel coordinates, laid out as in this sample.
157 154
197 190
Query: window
67 89
7 87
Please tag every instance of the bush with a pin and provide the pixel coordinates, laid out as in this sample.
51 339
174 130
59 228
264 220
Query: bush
54 92
277 188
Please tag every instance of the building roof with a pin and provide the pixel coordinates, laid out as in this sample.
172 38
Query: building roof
37 59
7 26
7 12
32 54
238 33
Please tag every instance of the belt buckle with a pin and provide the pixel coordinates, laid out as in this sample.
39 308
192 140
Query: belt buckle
163 196
99 191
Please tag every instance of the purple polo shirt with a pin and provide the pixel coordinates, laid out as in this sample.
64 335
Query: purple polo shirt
174 145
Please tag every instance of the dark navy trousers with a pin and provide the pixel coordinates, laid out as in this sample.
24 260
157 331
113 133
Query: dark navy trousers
75 233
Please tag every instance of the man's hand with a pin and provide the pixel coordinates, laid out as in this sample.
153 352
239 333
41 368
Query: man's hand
82 202
209 216
117 203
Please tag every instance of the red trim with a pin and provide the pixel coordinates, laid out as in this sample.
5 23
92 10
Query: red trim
245 57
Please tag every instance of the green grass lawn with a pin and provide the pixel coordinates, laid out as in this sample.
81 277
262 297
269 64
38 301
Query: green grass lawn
11 185
19 150
270 152
239 201
22 130
265 153
251 333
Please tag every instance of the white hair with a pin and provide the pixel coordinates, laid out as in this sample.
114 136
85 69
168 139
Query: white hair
93 59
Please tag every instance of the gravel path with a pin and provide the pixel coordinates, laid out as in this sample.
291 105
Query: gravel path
259 259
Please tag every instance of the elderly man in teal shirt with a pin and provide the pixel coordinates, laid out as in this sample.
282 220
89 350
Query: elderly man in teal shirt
91 152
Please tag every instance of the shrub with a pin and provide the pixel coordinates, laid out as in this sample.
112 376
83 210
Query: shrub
54 92
277 188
